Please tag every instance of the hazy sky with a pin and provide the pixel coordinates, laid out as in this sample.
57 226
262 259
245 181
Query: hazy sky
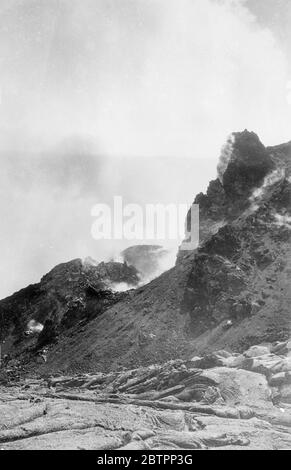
129 97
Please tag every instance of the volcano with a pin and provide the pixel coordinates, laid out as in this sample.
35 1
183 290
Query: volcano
202 332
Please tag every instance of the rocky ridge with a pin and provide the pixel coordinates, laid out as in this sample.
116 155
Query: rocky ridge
70 294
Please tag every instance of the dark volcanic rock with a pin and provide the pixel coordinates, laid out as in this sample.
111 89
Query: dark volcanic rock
113 272
243 164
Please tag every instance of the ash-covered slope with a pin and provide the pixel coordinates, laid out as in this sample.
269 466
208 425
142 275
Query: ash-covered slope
231 293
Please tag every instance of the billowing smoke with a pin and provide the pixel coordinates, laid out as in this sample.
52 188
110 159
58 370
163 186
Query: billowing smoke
150 262
225 156
164 263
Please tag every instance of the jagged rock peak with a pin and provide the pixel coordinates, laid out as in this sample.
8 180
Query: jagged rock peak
243 164
248 174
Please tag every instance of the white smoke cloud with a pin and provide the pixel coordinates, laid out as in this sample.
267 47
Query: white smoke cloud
163 260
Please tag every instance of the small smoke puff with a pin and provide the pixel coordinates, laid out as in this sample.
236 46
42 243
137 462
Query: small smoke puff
283 220
120 286
34 327
118 258
269 180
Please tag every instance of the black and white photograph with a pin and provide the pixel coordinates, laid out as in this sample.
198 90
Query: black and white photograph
145 228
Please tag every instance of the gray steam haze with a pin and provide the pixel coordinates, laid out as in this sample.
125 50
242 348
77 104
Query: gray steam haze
125 97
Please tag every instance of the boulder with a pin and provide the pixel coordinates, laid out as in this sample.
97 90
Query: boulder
236 362
239 386
256 351
223 353
285 393
210 360
267 365
277 380
280 347
195 361
286 364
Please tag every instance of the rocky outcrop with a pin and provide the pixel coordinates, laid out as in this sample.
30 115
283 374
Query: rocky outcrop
243 164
